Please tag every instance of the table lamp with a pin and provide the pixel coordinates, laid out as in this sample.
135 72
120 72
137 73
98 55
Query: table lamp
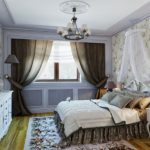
12 59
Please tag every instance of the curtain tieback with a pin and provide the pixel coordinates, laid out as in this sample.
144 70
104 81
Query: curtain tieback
19 86
102 82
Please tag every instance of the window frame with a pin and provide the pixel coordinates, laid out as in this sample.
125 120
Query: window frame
56 76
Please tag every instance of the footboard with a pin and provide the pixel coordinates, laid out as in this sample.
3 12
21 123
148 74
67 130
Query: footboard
101 134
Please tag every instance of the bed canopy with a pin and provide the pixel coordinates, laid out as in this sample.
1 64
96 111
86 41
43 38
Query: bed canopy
135 56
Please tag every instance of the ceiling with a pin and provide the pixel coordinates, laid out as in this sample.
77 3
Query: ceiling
104 17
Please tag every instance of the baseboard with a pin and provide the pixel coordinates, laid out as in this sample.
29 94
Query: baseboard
40 109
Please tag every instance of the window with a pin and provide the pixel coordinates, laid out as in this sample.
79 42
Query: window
61 65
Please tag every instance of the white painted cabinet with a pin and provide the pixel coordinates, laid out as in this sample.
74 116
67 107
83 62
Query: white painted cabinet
5 111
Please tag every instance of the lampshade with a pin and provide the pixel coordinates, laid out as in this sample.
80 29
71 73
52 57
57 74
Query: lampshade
12 59
120 85
110 85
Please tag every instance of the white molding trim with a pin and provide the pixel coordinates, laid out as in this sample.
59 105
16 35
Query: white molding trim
39 109
25 34
45 106
8 10
1 53
59 85
44 87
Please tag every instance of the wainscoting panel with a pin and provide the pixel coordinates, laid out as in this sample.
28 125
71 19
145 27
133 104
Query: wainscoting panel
85 94
33 97
44 97
57 95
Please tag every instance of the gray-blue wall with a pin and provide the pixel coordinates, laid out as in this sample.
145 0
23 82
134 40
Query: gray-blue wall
43 97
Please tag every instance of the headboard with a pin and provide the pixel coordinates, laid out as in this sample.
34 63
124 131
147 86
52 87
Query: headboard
138 86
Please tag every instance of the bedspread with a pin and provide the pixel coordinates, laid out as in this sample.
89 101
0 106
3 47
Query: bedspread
89 114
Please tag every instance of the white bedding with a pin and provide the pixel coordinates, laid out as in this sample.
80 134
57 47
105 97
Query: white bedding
86 114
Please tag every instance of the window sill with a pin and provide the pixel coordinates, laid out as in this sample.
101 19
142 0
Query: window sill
59 81
43 85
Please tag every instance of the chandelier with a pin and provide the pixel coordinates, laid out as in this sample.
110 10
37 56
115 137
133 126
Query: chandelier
72 32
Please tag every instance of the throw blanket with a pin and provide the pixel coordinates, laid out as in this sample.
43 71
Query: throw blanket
124 115
89 114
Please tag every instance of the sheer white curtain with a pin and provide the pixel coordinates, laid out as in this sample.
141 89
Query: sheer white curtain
135 55
61 52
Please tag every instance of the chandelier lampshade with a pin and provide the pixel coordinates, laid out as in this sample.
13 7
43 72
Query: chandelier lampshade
72 32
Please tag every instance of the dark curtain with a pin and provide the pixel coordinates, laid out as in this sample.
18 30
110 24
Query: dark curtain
32 55
90 60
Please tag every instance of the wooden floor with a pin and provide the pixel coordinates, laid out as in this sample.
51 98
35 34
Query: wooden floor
14 140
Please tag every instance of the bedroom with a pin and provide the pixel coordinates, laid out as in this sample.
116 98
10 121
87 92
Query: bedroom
16 24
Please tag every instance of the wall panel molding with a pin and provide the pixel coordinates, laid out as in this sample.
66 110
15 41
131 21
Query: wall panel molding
29 34
45 87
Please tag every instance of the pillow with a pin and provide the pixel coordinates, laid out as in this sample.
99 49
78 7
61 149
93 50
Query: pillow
133 103
142 113
120 101
123 92
108 96
143 103
145 88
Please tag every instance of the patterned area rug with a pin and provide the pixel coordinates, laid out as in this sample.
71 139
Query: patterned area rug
42 135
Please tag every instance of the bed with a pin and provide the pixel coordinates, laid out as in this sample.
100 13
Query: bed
115 116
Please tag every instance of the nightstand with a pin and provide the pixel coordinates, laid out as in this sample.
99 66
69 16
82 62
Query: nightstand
101 92
148 120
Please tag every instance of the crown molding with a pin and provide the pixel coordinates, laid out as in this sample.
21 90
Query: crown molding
134 22
52 30
8 10
94 33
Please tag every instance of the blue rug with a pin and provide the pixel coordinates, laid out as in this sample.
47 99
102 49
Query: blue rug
42 135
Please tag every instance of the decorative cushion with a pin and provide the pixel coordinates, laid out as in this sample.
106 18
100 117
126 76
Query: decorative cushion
142 113
120 101
122 92
108 96
144 102
134 102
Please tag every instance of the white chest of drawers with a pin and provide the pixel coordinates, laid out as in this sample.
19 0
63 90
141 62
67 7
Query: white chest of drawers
5 111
